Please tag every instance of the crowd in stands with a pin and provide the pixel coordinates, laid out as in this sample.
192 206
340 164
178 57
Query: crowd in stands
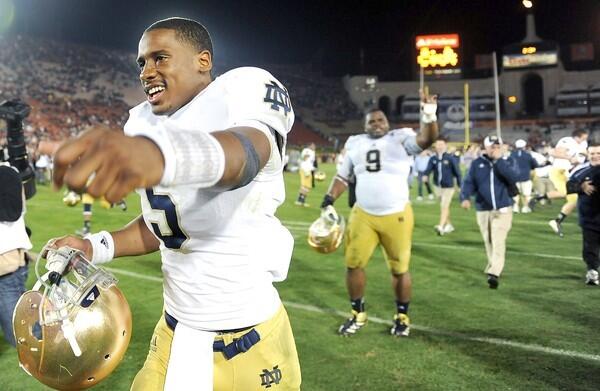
69 87
72 87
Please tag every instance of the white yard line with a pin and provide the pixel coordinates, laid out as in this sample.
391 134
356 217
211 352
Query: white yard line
461 336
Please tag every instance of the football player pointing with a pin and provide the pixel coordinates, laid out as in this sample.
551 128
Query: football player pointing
382 214
206 158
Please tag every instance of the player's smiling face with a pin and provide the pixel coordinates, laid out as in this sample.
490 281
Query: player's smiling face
376 124
172 71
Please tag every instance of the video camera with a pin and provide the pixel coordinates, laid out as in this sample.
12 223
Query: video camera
14 112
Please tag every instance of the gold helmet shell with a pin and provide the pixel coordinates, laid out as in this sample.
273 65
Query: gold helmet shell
325 235
71 198
74 333
320 176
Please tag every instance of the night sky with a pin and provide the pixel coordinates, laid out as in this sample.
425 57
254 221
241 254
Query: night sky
328 35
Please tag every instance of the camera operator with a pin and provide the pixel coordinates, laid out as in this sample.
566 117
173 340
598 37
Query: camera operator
14 241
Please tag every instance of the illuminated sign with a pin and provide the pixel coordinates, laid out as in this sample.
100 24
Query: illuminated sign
535 59
438 54
439 41
529 50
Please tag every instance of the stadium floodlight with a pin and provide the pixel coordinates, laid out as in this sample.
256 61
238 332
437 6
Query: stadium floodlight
527 4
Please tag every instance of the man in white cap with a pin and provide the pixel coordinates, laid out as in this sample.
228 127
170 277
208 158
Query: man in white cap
526 163
489 179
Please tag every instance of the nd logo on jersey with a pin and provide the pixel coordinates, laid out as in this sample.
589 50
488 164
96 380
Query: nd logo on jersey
278 97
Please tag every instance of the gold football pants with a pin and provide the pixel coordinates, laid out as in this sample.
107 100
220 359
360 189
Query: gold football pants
393 232
272 362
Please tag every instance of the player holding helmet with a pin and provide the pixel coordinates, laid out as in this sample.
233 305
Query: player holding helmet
382 215
206 158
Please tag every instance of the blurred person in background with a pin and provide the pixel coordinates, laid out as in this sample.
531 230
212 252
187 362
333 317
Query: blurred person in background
421 162
14 242
306 171
445 168
541 175
567 154
526 163
488 180
586 183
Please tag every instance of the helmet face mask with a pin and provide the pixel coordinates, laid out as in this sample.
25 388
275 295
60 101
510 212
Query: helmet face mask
73 328
325 234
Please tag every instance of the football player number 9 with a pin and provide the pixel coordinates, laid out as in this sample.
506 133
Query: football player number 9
164 203
373 160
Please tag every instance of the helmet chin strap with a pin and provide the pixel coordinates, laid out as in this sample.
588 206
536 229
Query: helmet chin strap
57 265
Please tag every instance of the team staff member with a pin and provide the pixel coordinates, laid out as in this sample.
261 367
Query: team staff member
380 160
206 158
488 180
445 170
586 182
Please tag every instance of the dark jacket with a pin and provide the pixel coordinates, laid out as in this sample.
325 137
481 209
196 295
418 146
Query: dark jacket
444 170
587 206
525 162
483 182
11 198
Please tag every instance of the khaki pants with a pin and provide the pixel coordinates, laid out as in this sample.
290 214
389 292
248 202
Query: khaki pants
11 261
494 227
445 194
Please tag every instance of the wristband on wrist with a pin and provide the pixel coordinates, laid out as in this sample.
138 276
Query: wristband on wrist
103 247
428 112
327 200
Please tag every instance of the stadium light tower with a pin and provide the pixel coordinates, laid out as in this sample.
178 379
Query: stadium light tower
527 4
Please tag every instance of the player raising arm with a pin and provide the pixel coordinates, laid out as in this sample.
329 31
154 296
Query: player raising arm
382 213
205 157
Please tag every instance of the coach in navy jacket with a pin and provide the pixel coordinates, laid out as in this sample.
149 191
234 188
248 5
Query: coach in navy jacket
586 183
445 168
488 180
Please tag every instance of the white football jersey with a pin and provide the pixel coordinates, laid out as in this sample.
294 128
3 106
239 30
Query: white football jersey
573 148
311 156
381 166
221 251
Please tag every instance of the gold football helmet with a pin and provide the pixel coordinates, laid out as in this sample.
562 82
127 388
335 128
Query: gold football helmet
73 328
326 233
320 176
71 198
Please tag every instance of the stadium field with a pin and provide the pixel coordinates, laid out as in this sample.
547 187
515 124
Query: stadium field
538 331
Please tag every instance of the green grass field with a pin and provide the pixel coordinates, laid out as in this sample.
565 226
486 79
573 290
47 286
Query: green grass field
538 331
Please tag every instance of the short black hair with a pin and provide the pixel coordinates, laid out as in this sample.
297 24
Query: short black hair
187 30
579 132
373 110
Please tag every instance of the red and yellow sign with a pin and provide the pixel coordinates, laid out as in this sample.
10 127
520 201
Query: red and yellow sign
437 51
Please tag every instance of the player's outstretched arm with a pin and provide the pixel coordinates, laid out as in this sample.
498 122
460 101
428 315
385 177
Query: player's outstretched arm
225 159
120 163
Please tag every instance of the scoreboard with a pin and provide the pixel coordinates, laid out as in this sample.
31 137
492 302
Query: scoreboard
438 54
